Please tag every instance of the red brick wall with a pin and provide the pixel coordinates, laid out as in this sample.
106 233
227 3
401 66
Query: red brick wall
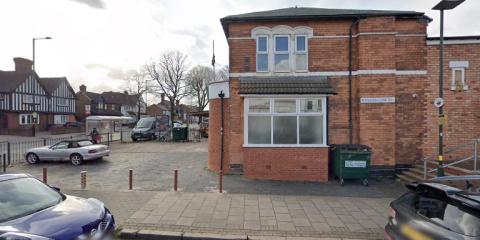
294 164
461 108
395 131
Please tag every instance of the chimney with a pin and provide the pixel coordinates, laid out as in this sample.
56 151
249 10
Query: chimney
22 64
83 88
163 97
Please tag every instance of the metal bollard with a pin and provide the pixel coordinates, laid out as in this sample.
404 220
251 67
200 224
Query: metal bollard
45 175
4 163
175 180
83 179
130 179
221 182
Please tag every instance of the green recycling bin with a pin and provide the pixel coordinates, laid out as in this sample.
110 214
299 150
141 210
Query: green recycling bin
180 134
351 161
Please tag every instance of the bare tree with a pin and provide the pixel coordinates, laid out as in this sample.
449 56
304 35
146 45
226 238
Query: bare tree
222 74
197 85
170 72
136 85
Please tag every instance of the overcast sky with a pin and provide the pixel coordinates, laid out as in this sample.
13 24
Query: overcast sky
96 41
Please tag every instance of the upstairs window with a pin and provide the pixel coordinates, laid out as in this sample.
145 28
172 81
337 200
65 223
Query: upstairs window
27 98
301 58
458 79
262 54
282 54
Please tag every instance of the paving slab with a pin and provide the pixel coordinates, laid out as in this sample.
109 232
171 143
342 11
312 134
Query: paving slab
227 217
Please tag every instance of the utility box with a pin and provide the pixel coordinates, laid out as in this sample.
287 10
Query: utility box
351 161
180 134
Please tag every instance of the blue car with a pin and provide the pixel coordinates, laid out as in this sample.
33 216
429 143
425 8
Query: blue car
32 210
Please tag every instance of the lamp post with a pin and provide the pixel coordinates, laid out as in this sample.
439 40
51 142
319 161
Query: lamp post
221 95
442 6
33 49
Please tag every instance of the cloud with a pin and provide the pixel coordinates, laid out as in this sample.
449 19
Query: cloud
112 72
99 4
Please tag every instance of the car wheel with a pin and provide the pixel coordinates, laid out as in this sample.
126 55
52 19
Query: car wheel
134 139
32 158
76 159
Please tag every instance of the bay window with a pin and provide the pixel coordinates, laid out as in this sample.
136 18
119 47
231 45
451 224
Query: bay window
282 53
285 121
262 54
28 118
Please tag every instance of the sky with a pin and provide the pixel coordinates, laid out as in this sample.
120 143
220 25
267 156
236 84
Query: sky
95 42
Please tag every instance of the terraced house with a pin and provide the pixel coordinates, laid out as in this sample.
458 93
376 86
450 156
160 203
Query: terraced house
302 79
27 100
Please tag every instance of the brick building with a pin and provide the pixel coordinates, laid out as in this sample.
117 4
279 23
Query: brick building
108 104
292 72
28 101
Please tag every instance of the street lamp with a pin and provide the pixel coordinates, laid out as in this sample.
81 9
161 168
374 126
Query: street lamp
33 49
442 6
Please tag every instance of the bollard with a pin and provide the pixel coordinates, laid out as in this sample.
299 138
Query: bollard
83 179
4 163
175 180
221 182
130 179
45 175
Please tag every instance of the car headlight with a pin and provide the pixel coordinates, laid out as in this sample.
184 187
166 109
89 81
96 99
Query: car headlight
21 236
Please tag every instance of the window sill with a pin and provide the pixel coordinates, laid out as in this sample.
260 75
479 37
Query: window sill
454 88
285 145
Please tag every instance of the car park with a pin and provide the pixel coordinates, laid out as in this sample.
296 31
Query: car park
32 210
75 151
434 210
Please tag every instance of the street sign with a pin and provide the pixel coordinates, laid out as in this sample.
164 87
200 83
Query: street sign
377 100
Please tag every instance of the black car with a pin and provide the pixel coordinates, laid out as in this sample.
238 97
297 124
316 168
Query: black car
432 210
145 129
73 124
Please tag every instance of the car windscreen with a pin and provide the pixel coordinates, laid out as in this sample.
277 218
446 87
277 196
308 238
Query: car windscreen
443 212
24 196
145 123
84 143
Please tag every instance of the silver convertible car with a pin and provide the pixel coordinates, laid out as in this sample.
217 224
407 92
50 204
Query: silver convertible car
75 151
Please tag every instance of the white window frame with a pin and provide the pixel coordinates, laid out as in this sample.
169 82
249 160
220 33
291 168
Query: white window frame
297 113
453 85
63 102
263 53
275 52
28 117
27 98
305 52
60 119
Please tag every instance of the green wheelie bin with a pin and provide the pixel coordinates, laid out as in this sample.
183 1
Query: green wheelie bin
180 134
351 161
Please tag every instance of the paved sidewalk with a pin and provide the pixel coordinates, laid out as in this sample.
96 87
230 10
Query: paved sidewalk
261 215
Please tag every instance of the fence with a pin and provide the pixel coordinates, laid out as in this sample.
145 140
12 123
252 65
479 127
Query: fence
14 151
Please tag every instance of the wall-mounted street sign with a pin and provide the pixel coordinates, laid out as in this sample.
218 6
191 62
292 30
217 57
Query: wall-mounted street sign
377 100
216 87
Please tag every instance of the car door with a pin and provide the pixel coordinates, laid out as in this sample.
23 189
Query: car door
59 151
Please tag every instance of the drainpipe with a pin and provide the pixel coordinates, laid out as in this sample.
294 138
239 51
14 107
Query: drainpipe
350 70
